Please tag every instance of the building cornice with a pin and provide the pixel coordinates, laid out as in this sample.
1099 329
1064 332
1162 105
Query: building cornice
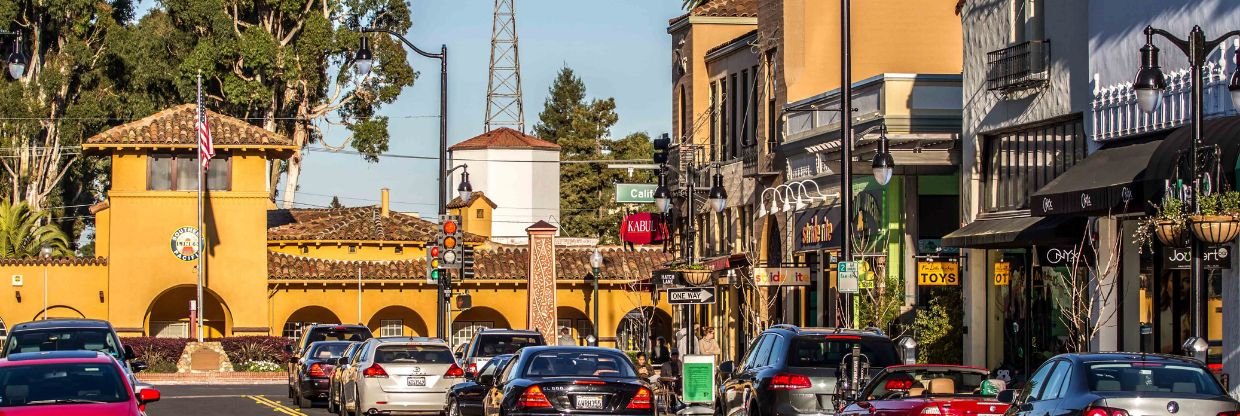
687 21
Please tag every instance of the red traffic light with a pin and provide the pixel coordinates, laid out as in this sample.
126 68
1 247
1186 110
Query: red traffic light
435 251
449 227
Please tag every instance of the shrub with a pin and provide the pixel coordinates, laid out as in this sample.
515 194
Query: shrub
252 353
160 354
260 367
249 349
940 338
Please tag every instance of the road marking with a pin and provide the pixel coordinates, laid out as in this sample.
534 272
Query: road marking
217 396
276 406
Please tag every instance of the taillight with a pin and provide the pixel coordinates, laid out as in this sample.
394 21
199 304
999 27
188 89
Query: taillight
454 372
533 397
316 370
473 368
375 370
1103 411
785 381
1229 414
641 400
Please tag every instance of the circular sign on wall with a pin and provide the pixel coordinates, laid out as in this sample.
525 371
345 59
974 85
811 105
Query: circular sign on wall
186 244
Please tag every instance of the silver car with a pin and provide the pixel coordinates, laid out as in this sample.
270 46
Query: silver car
399 376
1121 384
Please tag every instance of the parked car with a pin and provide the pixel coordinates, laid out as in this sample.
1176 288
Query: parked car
567 380
928 389
488 343
316 333
312 373
71 335
465 398
69 383
343 365
400 375
792 371
1121 384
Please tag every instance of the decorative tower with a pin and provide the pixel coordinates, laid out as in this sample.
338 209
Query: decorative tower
504 108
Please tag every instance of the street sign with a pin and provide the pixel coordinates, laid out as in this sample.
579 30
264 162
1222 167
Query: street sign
938 273
846 277
691 296
1003 273
698 379
665 279
635 193
781 276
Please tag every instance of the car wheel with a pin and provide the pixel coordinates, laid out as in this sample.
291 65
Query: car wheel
453 408
331 400
303 402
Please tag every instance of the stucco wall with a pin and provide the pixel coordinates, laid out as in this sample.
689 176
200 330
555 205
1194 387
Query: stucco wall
701 35
525 190
73 291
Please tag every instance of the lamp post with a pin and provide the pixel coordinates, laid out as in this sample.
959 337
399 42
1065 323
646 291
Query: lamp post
1150 86
17 59
596 262
717 198
46 253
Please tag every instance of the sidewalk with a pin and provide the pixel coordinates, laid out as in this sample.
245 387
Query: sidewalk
278 377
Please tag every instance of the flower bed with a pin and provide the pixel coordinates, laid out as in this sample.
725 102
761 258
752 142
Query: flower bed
250 353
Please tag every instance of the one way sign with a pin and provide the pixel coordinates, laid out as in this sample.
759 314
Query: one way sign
691 296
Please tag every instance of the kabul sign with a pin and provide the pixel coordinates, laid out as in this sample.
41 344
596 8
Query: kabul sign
643 228
781 276
635 193
938 273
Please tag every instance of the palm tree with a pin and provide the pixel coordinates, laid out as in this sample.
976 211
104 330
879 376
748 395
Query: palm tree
24 232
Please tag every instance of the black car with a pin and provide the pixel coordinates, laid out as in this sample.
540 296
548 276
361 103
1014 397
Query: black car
567 380
465 399
70 335
316 333
312 372
488 343
793 371
1120 384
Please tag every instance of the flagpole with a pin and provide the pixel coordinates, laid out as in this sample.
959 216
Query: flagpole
201 234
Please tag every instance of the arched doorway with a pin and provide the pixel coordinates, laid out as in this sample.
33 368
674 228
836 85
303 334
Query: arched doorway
307 315
59 311
579 326
168 316
397 321
473 320
640 325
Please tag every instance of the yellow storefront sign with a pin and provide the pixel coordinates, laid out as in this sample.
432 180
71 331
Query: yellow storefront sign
938 273
1003 273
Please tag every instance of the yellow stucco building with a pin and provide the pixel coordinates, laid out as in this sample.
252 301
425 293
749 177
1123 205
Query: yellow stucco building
268 271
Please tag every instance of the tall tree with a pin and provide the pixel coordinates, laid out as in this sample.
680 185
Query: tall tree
567 93
286 65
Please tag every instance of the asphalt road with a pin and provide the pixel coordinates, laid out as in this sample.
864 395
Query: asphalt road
265 399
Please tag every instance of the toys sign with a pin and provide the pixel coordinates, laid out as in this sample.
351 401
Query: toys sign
938 273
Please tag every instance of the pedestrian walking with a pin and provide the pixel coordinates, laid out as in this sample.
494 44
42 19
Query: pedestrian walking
662 354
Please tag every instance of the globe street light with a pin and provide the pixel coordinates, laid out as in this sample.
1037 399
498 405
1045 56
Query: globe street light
718 196
596 262
364 60
465 190
884 165
662 196
1150 83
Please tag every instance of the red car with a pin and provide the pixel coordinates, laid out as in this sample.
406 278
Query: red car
68 383
928 389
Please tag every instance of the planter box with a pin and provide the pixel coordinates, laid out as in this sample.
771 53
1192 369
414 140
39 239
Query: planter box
1214 229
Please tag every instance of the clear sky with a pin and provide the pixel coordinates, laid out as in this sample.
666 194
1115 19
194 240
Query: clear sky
619 48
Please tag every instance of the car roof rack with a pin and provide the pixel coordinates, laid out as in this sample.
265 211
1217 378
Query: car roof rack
789 327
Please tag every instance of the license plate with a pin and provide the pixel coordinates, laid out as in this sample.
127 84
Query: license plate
416 381
589 402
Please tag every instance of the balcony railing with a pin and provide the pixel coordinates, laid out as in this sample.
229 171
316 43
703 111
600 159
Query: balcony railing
1018 67
1115 112
758 161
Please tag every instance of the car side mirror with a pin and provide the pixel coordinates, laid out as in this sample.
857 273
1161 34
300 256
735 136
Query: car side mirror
726 368
148 395
486 379
1007 396
459 355
129 355
138 366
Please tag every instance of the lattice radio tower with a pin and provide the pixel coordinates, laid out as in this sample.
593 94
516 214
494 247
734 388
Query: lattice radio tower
504 108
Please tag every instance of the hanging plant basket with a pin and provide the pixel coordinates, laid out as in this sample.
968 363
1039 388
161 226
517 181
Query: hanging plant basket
1214 229
1170 233
697 277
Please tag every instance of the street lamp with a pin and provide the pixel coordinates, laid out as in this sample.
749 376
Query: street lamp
662 196
596 262
364 60
46 253
1150 85
465 190
718 196
884 165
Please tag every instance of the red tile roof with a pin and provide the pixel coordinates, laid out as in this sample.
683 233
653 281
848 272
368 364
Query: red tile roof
456 202
174 127
722 8
56 261
504 138
350 224
496 264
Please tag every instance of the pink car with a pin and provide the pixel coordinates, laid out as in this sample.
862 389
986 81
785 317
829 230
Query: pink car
68 383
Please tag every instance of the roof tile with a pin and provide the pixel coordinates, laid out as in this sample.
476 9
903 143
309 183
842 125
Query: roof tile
504 138
496 264
354 224
175 127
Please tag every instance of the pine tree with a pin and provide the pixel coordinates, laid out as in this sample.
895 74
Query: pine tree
335 203
566 95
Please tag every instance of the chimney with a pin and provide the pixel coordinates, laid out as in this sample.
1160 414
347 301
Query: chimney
383 203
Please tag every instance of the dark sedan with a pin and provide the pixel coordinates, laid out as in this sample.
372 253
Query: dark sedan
1121 384
312 373
465 399
568 380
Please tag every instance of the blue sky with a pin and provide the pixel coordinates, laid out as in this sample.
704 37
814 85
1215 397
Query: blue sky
619 48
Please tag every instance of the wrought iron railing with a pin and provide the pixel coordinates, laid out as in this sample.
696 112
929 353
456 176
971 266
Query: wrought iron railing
1018 67
1115 112
757 160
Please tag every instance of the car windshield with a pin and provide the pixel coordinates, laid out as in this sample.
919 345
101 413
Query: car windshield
829 350
327 350
1145 376
38 384
579 363
918 382
495 344
339 333
413 354
63 339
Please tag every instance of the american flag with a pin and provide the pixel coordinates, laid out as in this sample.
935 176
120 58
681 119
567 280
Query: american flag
206 147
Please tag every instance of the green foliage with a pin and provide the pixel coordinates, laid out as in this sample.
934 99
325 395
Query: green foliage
939 336
1172 209
1220 203
24 232
335 203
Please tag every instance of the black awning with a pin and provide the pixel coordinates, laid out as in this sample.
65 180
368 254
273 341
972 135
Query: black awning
1017 232
1110 180
1223 132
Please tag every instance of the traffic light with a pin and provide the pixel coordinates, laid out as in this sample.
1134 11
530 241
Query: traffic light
661 145
433 270
464 302
450 241
467 263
